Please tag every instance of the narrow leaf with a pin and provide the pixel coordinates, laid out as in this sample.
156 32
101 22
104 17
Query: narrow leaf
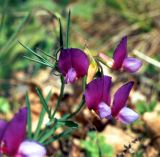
46 53
11 40
68 28
69 123
43 101
37 61
43 111
32 52
60 34
49 132
56 137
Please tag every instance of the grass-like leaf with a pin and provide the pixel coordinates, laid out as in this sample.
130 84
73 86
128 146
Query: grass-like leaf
69 123
68 28
38 61
60 34
49 132
43 111
43 101
11 40
56 137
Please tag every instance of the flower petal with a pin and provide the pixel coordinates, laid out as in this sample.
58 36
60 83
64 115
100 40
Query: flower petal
120 53
131 64
71 76
65 62
15 132
73 58
31 149
104 111
3 125
98 91
120 97
80 62
127 116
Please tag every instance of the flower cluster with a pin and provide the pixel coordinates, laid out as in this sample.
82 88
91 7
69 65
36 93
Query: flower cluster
73 64
97 96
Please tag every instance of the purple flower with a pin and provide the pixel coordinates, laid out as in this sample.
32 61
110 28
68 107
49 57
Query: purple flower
97 97
73 64
13 135
122 61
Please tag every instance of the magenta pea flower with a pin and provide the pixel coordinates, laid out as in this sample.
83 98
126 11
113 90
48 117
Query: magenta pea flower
13 140
97 97
73 64
122 61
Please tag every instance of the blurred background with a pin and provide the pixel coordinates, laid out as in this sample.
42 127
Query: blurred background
97 26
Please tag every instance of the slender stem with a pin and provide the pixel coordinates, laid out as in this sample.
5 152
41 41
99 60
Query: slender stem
147 58
81 104
49 132
77 110
60 97
84 83
29 119
56 137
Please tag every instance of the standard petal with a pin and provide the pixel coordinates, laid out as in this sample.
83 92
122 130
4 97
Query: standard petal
73 58
120 97
31 149
120 53
65 62
15 132
104 111
3 125
98 91
127 116
80 62
131 64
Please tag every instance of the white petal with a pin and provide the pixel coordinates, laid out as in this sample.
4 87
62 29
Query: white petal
31 149
104 110
127 116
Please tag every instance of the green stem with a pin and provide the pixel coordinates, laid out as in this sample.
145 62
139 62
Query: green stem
84 83
77 110
81 104
29 119
60 97
49 133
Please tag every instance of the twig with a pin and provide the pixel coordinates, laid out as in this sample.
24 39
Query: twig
146 58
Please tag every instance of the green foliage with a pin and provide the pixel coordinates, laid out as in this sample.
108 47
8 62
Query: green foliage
69 123
95 145
24 21
131 10
143 107
4 105
139 153
84 11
